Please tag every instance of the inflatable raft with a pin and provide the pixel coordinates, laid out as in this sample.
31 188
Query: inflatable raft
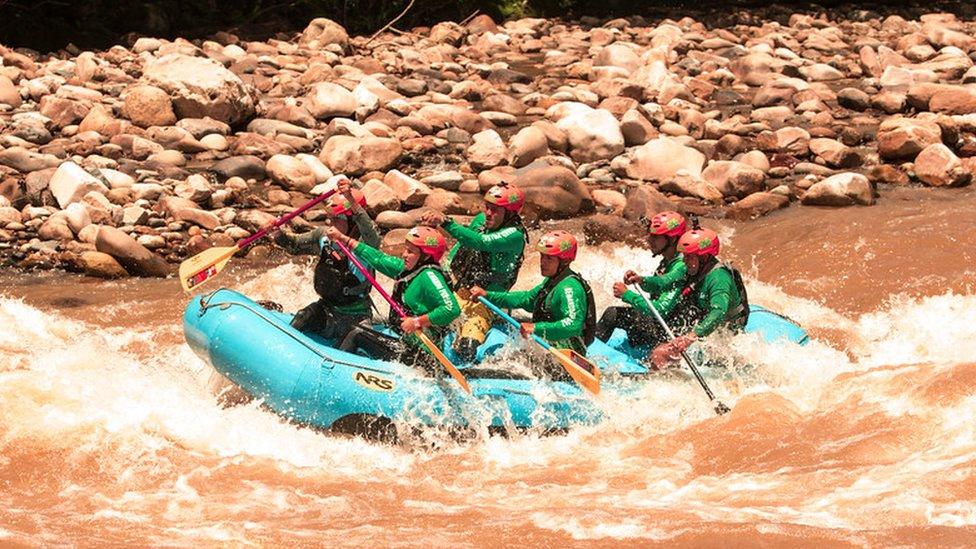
304 379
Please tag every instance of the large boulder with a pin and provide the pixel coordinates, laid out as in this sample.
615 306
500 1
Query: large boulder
407 189
328 100
354 156
291 173
70 183
135 257
662 158
100 265
756 205
618 55
27 161
148 106
644 202
593 134
322 32
486 150
938 166
200 87
527 145
552 192
843 189
834 153
733 178
953 100
904 138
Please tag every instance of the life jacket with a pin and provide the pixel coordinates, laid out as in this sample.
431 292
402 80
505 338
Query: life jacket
737 317
336 280
542 313
472 267
400 288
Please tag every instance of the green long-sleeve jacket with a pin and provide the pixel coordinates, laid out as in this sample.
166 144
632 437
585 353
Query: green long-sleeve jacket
716 295
504 247
568 307
427 294
310 243
664 289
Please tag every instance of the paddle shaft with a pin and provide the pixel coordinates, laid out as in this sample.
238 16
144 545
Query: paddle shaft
688 360
362 269
508 318
284 219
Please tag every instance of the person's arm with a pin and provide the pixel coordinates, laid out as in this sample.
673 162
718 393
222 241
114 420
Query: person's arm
366 226
503 240
524 299
657 284
389 265
636 301
436 291
569 298
718 290
300 244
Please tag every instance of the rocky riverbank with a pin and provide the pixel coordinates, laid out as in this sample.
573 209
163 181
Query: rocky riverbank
125 161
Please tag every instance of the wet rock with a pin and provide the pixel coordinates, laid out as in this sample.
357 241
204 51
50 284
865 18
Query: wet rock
55 228
644 202
593 134
201 87
854 99
686 185
756 205
200 127
328 100
353 156
609 201
245 167
77 217
552 192
148 106
887 174
843 189
904 138
63 112
527 145
379 197
253 220
636 128
834 153
408 190
662 158
734 178
291 173
26 161
100 265
486 151
9 93
70 183
938 166
953 100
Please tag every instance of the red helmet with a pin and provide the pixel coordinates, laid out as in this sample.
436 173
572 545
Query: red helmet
338 204
699 242
429 240
668 224
507 196
558 243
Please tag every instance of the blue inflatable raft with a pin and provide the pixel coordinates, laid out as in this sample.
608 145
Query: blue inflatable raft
302 378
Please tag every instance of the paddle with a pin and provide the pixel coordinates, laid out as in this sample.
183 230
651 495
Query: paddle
583 372
206 264
719 407
451 369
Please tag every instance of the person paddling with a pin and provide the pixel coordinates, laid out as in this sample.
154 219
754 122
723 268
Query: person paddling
562 305
421 288
712 295
343 291
664 231
488 254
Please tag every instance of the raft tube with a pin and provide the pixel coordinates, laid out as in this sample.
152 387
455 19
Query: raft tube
304 379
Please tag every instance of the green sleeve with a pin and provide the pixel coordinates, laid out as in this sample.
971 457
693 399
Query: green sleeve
718 294
673 275
524 299
300 244
438 295
367 229
503 240
636 301
667 302
389 265
569 299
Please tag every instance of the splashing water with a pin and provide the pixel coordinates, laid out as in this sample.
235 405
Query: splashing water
110 434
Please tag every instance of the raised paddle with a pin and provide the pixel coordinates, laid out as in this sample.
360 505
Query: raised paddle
206 264
719 407
451 369
583 372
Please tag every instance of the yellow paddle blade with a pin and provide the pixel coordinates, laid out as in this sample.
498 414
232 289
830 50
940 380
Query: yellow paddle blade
583 372
204 266
451 369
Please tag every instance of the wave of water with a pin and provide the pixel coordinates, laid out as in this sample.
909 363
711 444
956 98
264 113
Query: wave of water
110 434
